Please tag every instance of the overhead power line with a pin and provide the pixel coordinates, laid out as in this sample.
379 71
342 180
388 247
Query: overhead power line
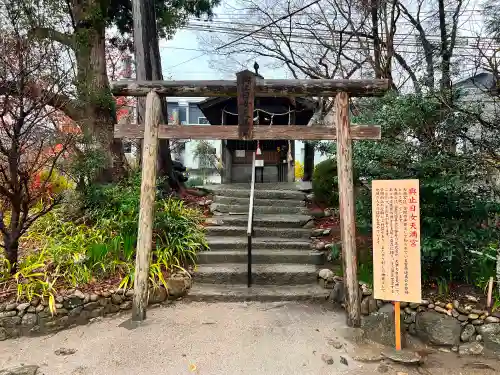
269 24
251 33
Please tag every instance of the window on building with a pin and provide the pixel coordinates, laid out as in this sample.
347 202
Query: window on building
203 121
182 113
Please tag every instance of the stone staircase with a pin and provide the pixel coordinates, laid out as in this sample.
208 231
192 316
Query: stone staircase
283 265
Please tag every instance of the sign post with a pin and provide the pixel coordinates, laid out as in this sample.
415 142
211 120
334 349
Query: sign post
396 244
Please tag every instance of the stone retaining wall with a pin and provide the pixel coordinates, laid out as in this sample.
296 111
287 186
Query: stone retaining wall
462 327
76 308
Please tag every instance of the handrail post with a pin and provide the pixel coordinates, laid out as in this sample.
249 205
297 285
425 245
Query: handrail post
250 225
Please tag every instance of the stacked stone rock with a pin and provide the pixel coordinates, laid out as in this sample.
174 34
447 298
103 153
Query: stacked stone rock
462 327
76 308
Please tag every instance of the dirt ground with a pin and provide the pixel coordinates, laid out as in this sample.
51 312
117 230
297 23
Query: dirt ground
223 338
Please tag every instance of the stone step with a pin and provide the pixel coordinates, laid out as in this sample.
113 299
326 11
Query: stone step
259 201
259 194
243 208
260 220
262 257
241 231
262 274
239 293
259 243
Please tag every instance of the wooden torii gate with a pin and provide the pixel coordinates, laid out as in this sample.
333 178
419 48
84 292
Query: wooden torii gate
246 87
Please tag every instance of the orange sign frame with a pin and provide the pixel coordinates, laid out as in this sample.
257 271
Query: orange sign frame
396 240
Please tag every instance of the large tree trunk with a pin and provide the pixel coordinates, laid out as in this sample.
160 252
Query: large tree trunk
11 252
147 55
94 92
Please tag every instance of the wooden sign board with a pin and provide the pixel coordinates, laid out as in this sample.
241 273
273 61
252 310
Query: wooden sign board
396 240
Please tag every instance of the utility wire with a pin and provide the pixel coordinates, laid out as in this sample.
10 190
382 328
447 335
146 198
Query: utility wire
269 24
251 33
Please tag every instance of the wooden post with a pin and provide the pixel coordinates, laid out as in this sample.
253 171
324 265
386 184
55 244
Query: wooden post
245 82
347 209
146 213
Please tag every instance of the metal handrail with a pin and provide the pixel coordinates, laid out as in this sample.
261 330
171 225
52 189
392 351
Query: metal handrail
250 224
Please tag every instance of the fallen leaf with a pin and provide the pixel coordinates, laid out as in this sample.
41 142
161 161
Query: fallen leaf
192 367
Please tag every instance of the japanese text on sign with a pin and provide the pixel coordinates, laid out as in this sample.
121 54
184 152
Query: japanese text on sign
396 240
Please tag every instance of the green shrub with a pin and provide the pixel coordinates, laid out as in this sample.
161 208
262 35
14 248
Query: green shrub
195 181
325 183
459 211
102 243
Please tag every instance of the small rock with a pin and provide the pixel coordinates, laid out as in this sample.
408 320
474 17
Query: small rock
403 304
454 349
326 232
440 309
479 338
106 294
456 304
402 356
414 305
471 348
382 368
31 309
6 314
93 297
3 334
79 294
327 359
425 302
365 310
478 366
21 370
440 304
454 313
467 333
22 306
35 301
478 312
127 305
116 299
343 360
65 351
473 316
39 308
463 318
129 293
326 274
335 344
492 319
29 320
337 294
471 298
478 322
319 245
430 306
365 290
10 306
328 212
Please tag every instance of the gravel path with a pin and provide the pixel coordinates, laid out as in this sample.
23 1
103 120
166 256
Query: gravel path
200 338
